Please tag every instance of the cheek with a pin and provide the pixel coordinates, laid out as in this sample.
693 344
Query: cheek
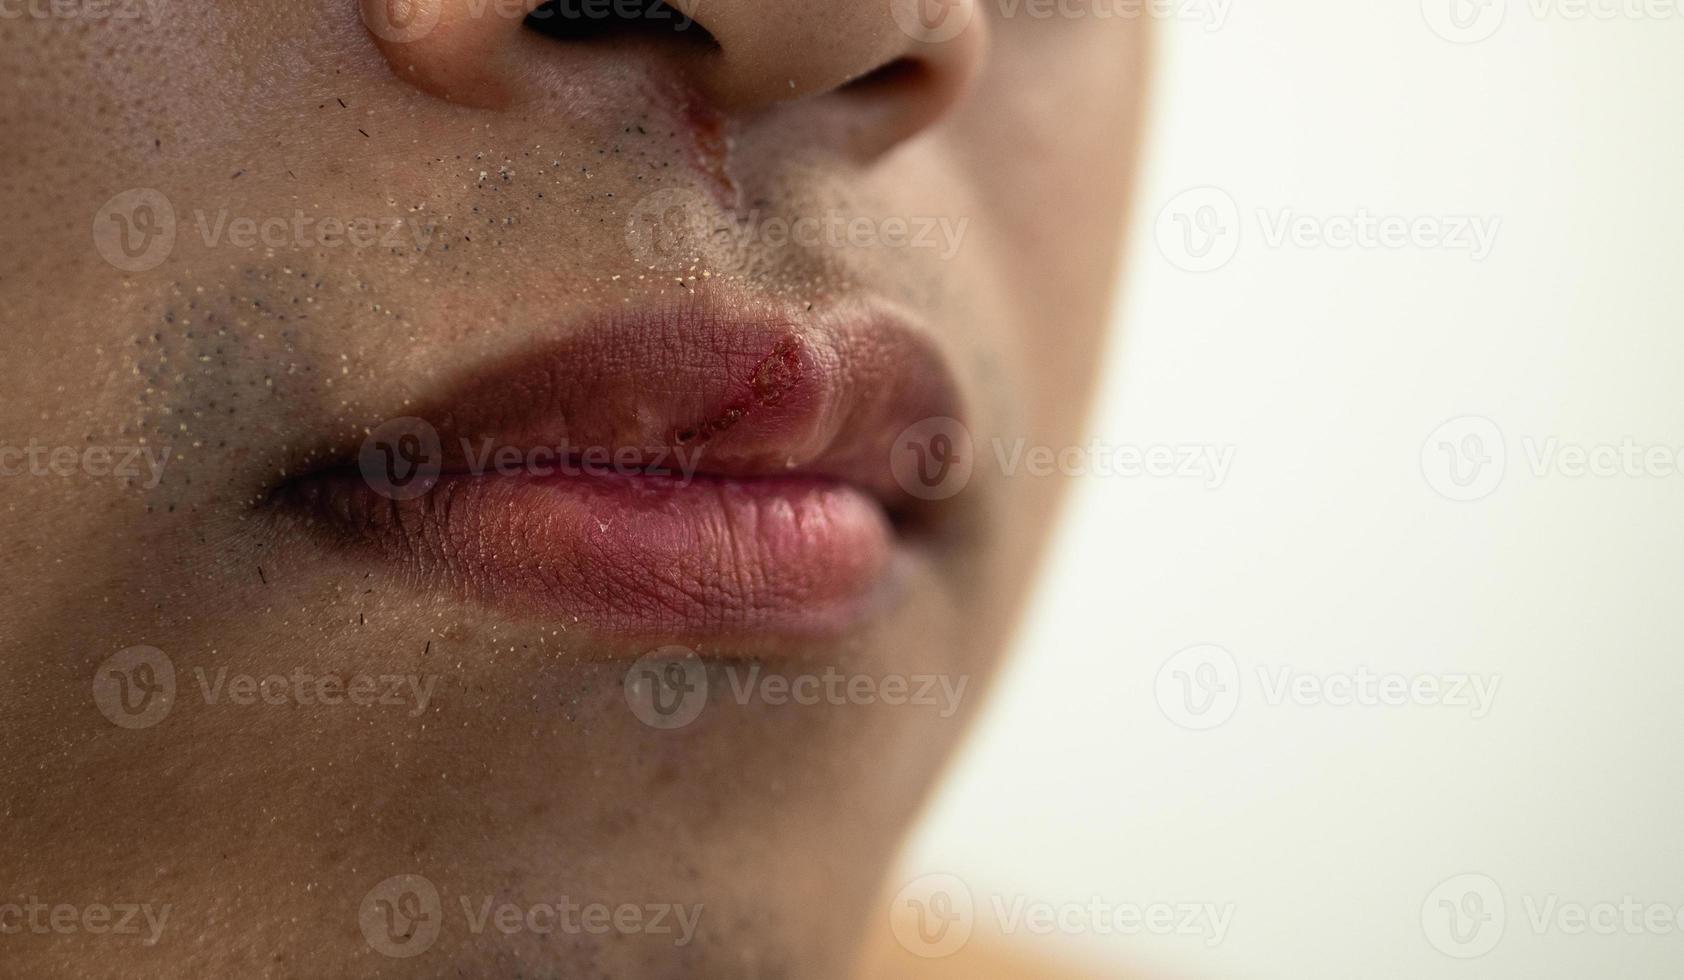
1069 96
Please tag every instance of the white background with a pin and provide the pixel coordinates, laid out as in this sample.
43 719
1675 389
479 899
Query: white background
1327 548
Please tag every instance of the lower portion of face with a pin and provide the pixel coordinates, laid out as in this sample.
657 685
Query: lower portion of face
519 502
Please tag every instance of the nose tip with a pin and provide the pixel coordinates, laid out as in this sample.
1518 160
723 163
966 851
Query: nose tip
896 65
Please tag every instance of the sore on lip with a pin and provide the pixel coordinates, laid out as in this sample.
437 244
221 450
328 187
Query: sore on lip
777 374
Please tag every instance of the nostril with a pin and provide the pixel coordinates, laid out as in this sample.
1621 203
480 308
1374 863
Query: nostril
598 20
899 73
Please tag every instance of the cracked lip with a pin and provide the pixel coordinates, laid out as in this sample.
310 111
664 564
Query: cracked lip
722 471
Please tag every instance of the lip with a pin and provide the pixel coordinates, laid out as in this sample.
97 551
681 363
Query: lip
715 470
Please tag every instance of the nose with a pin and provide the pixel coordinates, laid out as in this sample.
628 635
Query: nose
895 65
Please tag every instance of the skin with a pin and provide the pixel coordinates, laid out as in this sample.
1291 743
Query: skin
525 778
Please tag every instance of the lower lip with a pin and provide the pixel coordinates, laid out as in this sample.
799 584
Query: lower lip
649 556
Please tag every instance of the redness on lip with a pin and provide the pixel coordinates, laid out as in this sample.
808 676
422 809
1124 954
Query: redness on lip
778 525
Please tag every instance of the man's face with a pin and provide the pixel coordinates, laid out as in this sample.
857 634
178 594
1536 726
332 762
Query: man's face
456 462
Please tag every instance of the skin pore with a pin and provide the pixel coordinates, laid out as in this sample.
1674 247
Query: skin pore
361 223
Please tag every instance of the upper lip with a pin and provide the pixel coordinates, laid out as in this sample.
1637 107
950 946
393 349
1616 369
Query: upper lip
745 388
